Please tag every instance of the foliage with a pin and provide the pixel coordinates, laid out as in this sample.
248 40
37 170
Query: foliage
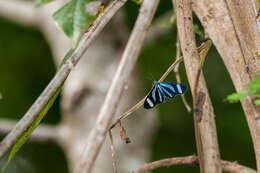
23 138
254 89
1 96
138 2
72 18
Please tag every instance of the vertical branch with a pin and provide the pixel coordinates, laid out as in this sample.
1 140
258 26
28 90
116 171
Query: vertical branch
127 63
233 31
205 128
178 78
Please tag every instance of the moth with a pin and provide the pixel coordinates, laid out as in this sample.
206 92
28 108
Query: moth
162 90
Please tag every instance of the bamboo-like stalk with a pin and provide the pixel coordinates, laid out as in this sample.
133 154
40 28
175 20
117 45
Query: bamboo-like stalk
205 128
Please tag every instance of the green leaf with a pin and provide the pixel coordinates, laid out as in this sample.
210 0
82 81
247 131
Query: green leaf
257 102
42 2
137 2
254 85
235 97
73 18
23 138
1 96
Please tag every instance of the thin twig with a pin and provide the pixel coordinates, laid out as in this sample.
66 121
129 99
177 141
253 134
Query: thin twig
227 166
138 105
141 102
113 150
205 130
178 77
134 108
60 76
126 65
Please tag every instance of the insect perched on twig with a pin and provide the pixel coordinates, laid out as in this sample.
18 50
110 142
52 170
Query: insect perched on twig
162 90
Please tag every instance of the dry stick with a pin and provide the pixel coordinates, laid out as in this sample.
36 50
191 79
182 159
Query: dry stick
205 130
178 77
60 76
113 151
134 108
126 65
138 105
227 166
141 102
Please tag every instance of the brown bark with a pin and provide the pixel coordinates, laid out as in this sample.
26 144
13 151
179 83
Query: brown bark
205 128
233 29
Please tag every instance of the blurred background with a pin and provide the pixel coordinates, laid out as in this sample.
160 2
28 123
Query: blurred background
27 65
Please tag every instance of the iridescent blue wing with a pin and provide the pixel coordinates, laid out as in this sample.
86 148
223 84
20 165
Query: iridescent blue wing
154 97
170 90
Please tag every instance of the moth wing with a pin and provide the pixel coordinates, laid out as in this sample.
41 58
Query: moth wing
170 90
149 101
155 97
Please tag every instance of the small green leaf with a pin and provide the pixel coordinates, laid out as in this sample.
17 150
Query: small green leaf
42 2
1 96
254 85
23 138
137 2
235 97
73 18
257 102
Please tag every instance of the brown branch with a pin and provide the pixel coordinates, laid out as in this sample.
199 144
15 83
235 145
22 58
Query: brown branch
234 39
60 76
141 102
178 77
205 130
41 133
227 166
131 110
127 63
